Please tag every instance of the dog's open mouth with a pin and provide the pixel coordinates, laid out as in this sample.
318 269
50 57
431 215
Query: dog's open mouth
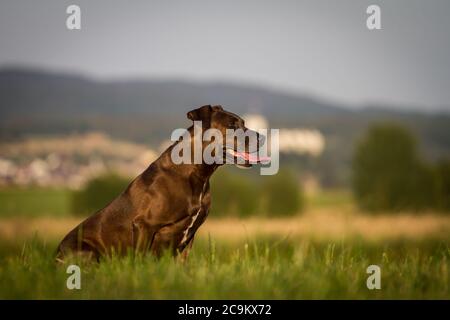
249 158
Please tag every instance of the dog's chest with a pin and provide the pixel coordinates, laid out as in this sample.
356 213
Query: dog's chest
180 233
197 217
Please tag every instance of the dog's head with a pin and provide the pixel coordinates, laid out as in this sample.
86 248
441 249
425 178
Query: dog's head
238 143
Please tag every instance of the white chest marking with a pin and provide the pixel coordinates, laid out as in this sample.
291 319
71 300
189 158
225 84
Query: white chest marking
194 218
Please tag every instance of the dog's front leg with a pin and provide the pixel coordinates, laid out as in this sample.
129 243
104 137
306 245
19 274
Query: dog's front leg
185 253
142 235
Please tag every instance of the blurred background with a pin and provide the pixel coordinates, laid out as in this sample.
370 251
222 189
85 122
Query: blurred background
364 116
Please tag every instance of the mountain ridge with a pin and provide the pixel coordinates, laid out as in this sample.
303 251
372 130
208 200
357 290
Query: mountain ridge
146 111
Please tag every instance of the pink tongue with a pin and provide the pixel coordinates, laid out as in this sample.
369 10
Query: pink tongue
252 157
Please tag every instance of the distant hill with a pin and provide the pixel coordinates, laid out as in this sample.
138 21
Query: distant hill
25 91
37 102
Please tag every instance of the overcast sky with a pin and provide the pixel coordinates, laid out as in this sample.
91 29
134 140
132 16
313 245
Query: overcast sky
316 47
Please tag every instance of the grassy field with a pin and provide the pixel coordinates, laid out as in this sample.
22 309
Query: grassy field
263 268
320 254
34 202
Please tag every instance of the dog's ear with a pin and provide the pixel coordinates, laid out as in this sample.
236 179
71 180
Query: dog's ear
217 108
201 114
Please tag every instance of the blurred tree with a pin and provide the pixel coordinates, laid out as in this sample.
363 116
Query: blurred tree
98 193
388 173
442 185
282 194
233 194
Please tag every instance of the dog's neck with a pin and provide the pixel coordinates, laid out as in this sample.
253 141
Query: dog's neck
201 171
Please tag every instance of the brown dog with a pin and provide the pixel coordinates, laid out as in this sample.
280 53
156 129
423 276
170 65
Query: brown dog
163 207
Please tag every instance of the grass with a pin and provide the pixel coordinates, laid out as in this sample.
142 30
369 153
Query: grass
34 202
320 254
334 198
264 268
